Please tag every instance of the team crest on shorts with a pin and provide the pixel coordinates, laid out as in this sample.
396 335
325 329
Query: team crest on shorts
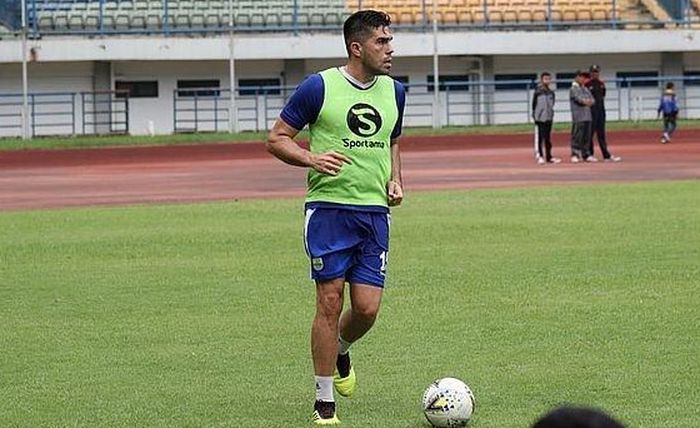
317 263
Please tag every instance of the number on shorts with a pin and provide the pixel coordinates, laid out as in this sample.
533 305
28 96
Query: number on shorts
384 257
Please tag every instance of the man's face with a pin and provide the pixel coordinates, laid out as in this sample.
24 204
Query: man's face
595 74
376 51
546 80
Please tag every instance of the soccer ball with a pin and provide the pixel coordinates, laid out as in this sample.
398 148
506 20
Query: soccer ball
448 402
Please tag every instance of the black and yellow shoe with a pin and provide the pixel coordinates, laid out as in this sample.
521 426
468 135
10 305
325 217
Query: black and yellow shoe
345 386
324 413
344 379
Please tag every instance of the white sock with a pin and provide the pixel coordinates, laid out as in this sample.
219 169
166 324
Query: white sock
324 388
343 346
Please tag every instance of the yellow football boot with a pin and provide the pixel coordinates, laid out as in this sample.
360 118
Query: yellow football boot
345 386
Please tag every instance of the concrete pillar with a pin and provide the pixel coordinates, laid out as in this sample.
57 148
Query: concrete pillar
488 90
100 103
294 72
672 63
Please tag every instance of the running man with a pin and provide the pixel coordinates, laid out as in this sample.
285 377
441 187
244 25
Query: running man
354 115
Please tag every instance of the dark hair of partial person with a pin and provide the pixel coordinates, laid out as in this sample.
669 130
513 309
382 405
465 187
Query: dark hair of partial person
360 25
545 73
669 85
576 417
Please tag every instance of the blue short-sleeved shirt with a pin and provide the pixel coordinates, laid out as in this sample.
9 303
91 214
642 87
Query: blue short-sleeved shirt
304 106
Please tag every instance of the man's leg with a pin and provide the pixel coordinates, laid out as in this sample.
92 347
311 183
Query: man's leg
590 148
577 141
360 317
600 132
324 332
355 322
548 140
366 280
324 345
538 140
671 127
586 137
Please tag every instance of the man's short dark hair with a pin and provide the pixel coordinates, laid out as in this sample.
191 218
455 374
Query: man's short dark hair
545 73
577 417
359 26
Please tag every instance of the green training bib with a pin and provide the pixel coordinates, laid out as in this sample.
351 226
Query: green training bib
357 123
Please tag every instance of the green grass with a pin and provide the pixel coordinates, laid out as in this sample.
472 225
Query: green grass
221 137
199 315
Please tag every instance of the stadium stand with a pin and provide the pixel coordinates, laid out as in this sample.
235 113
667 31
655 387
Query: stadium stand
188 15
9 16
510 12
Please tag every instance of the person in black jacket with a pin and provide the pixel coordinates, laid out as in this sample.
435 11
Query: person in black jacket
597 88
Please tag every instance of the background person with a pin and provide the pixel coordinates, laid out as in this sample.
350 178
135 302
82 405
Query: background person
668 106
576 417
543 114
598 117
581 101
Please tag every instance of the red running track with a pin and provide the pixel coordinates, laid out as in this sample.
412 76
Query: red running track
37 179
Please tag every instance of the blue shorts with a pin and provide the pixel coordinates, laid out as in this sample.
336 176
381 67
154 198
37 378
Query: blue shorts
347 243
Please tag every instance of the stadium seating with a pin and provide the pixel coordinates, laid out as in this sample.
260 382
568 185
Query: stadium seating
509 12
185 15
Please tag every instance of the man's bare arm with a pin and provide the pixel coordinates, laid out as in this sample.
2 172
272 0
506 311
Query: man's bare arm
280 143
395 187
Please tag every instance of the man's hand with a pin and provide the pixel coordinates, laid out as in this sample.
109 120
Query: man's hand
395 193
329 163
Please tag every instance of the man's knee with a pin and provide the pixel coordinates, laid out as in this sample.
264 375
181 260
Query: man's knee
366 311
330 303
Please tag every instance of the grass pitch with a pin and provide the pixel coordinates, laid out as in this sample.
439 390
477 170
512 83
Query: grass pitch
199 315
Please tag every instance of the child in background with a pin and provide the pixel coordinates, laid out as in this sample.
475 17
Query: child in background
669 108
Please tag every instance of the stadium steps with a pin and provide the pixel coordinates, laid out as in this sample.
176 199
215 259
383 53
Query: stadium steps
640 14
656 10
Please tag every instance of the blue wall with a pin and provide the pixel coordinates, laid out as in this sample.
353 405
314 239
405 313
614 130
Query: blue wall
10 14
675 8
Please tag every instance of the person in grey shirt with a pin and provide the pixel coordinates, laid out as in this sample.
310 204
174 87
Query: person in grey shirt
543 114
581 101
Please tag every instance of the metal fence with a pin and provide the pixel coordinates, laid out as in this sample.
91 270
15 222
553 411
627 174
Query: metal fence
200 16
66 113
105 112
466 103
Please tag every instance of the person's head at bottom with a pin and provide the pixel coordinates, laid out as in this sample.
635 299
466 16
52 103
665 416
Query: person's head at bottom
576 417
